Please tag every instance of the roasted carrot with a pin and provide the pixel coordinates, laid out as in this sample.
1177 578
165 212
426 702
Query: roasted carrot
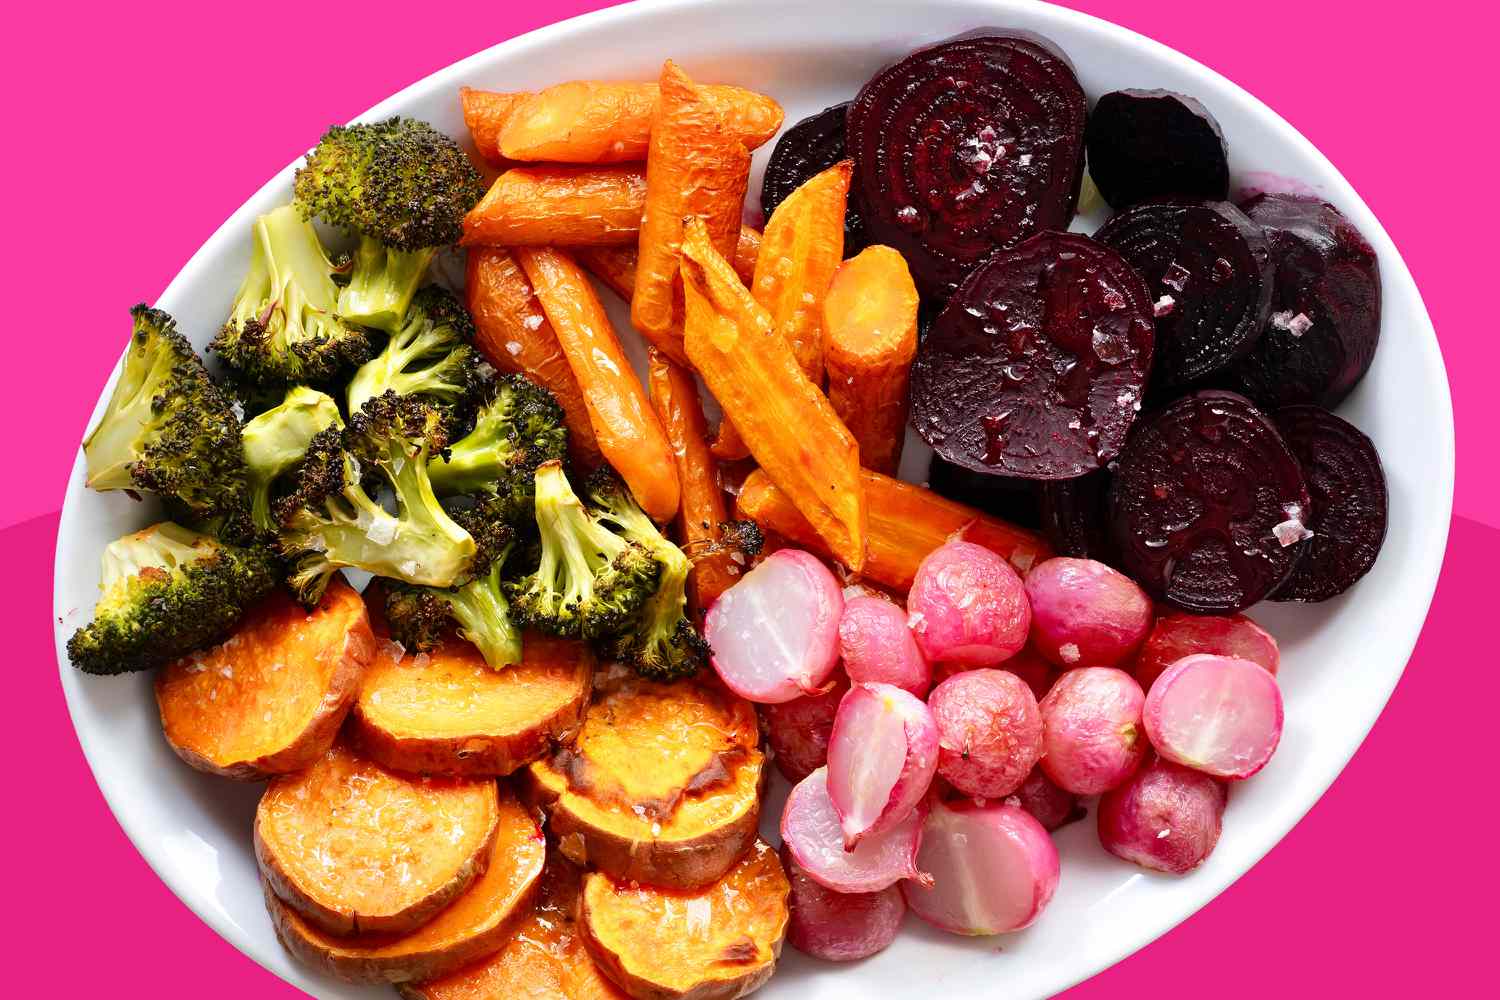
629 434
869 339
787 422
513 334
485 113
559 206
695 168
674 393
586 121
906 523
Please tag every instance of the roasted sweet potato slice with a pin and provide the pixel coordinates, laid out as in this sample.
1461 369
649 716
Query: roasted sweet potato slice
448 713
716 943
545 960
357 849
476 924
662 785
269 699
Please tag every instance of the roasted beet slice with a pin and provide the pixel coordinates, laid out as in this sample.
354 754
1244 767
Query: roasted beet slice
1075 516
1009 499
1325 311
807 148
1206 505
1035 367
1349 502
1209 273
970 145
1145 144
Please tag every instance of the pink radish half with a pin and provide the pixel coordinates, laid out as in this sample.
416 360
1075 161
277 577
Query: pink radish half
1091 729
839 926
775 633
1166 817
881 759
876 645
811 831
994 868
1217 714
966 605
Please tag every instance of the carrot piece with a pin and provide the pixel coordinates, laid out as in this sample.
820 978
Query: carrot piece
869 339
675 396
789 425
906 523
485 113
695 168
559 206
513 334
585 121
629 434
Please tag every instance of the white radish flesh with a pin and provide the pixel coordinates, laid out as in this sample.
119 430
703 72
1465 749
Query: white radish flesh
1166 817
775 633
881 759
1217 714
994 868
839 926
1092 739
811 830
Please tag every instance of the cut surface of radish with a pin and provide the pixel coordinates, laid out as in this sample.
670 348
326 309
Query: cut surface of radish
881 758
1217 714
811 830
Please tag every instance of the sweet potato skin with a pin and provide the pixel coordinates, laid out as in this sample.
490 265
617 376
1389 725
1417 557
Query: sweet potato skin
475 925
480 740
559 206
197 696
755 890
350 782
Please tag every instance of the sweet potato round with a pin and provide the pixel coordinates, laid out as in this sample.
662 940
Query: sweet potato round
357 849
269 699
475 925
717 943
448 713
545 959
663 785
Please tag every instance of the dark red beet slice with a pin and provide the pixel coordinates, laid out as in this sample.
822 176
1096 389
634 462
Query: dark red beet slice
1209 273
1325 312
1202 503
970 145
1010 499
1035 367
1145 144
1349 502
1075 516
807 148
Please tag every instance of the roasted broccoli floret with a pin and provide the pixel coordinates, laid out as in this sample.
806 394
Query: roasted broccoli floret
517 427
329 520
276 441
283 328
168 428
167 591
660 642
589 582
403 187
431 355
420 616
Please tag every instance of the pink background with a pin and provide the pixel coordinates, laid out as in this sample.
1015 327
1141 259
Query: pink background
135 129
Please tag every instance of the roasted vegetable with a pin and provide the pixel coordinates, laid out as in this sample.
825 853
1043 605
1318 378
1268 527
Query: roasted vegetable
518 425
430 354
277 440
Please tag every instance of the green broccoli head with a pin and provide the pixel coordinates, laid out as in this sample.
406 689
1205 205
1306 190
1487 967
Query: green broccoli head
518 425
403 187
589 582
328 519
168 429
431 355
419 617
660 642
277 440
167 591
283 328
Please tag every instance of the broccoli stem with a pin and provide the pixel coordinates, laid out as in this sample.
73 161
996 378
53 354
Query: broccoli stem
382 284
111 447
483 617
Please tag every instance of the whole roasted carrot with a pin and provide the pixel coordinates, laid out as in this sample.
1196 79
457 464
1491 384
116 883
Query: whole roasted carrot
587 121
695 168
485 113
869 340
629 434
674 393
906 523
513 334
559 206
788 423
